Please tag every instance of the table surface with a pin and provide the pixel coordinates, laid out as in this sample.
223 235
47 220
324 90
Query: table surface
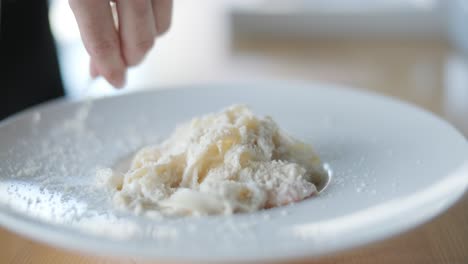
427 73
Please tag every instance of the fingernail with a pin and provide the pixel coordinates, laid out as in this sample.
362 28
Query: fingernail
118 80
93 72
94 75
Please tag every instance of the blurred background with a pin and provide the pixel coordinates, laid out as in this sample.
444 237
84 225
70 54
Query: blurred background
416 50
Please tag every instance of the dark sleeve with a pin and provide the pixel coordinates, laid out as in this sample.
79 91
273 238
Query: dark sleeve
29 67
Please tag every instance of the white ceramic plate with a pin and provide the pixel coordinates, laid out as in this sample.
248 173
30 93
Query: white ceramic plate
394 167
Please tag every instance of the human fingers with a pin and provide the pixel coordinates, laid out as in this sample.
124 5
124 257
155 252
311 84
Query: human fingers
100 38
137 28
163 14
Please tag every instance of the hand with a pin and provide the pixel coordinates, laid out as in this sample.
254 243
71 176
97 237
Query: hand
114 49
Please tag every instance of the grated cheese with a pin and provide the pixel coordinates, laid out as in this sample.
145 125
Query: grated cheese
222 163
